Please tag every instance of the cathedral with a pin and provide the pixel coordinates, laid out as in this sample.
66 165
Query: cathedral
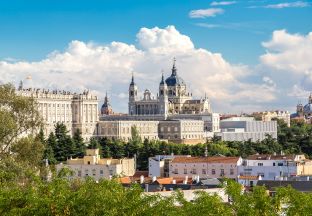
304 112
173 98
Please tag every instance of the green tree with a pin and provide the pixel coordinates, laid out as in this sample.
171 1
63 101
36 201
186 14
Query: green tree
80 146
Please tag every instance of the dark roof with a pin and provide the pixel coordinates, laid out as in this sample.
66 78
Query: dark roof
213 159
271 157
271 185
174 79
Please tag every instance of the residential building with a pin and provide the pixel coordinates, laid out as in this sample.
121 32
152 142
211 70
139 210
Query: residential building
159 165
204 167
269 115
274 167
98 168
245 128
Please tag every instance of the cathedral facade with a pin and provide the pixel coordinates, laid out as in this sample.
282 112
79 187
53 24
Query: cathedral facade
173 98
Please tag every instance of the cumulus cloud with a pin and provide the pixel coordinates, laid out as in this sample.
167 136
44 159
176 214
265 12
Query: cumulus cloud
297 4
222 3
290 52
109 67
203 13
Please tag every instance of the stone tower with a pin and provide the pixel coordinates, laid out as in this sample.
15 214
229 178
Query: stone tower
300 110
133 97
163 97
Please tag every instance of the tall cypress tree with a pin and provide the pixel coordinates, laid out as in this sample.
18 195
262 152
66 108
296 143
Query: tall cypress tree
79 144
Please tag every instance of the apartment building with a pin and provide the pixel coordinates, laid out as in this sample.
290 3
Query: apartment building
205 167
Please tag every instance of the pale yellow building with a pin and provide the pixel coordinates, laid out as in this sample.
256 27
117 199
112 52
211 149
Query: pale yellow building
92 165
283 115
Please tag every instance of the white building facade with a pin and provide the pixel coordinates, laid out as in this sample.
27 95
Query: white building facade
274 167
76 111
245 128
205 167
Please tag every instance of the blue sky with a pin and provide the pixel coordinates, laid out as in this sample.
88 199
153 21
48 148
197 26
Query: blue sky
32 30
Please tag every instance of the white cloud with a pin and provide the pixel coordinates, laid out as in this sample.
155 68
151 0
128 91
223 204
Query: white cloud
289 52
202 13
108 67
222 3
297 4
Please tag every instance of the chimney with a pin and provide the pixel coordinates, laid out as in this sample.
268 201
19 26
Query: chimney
146 187
185 180
174 181
197 179
141 179
154 178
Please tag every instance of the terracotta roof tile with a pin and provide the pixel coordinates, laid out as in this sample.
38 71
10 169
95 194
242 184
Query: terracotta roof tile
124 180
164 180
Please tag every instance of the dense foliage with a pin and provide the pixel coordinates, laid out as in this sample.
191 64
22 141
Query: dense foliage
291 140
75 197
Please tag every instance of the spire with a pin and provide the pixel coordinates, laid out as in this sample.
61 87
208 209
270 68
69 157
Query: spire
106 99
174 69
162 78
132 80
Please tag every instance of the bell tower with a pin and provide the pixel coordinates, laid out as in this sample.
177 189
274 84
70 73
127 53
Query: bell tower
133 96
163 97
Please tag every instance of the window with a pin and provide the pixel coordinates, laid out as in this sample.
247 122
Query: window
194 171
222 172
260 164
168 129
101 172
273 164
213 172
86 172
261 174
93 172
176 129
279 164
185 171
204 172
175 171
162 129
89 162
79 173
231 171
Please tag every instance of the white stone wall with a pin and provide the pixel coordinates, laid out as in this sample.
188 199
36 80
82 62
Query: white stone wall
76 111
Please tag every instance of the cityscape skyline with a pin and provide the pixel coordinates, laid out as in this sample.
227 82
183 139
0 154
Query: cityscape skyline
243 60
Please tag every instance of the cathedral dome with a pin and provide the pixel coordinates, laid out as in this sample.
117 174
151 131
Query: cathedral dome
174 79
307 109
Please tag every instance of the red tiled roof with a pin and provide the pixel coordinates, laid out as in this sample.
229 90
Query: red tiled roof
164 180
248 177
213 159
124 180
138 174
